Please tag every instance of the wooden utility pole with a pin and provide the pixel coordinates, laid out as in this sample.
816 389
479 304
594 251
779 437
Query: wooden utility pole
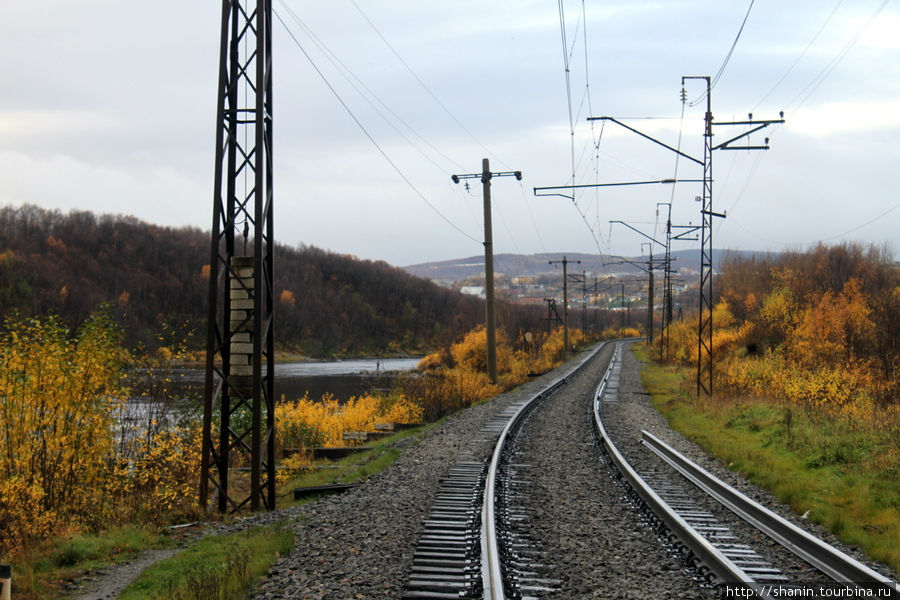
490 321
565 263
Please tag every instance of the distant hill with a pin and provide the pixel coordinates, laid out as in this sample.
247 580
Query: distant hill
154 282
538 264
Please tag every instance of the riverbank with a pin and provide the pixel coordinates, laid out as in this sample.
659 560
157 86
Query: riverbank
196 359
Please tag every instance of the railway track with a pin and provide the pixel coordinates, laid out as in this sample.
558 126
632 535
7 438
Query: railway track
486 537
731 559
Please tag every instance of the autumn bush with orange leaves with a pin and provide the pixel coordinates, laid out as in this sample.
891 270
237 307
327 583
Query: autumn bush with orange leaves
820 330
456 377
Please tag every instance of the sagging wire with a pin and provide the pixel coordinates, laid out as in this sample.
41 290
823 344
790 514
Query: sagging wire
368 135
721 70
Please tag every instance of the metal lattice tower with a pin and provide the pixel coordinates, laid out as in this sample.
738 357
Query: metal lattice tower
705 328
238 464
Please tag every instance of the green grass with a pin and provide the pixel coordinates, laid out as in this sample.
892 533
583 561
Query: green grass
86 550
355 467
43 569
845 474
222 567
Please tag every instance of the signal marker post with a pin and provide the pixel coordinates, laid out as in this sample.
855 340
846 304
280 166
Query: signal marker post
486 175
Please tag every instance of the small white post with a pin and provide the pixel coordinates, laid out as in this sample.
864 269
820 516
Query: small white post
5 582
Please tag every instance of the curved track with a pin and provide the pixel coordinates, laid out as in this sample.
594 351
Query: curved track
524 522
735 565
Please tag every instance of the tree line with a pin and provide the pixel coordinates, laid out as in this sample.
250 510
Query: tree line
820 327
153 280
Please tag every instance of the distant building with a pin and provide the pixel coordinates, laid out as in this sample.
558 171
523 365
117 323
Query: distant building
473 290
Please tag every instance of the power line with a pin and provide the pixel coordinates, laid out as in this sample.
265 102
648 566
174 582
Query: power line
813 85
436 99
565 49
858 227
802 54
369 135
531 215
827 239
567 53
731 50
422 83
721 70
350 77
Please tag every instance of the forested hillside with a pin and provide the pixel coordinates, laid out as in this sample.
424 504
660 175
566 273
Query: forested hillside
154 281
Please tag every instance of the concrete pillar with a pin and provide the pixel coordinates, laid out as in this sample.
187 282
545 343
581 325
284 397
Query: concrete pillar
241 294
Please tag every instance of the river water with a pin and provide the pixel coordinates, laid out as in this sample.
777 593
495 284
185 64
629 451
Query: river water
180 391
340 378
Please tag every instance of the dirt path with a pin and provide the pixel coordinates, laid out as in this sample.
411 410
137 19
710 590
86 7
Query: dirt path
107 583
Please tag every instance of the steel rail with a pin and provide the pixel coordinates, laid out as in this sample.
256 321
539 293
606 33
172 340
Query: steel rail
831 561
709 555
492 573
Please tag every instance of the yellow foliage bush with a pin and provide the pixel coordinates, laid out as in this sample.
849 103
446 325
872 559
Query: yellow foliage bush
154 476
57 396
305 423
62 464
471 353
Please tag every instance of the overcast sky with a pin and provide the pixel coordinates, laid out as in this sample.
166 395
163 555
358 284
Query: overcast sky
109 106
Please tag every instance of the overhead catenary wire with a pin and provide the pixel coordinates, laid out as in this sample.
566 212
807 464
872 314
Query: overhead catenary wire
424 86
802 54
368 135
568 52
721 70
565 49
817 81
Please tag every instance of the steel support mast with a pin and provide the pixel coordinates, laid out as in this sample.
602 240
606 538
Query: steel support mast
704 328
705 325
238 453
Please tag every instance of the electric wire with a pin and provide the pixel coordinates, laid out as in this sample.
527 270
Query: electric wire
800 57
733 45
819 240
365 131
351 77
567 53
817 81
721 70
436 99
565 49
527 203
858 227
423 84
